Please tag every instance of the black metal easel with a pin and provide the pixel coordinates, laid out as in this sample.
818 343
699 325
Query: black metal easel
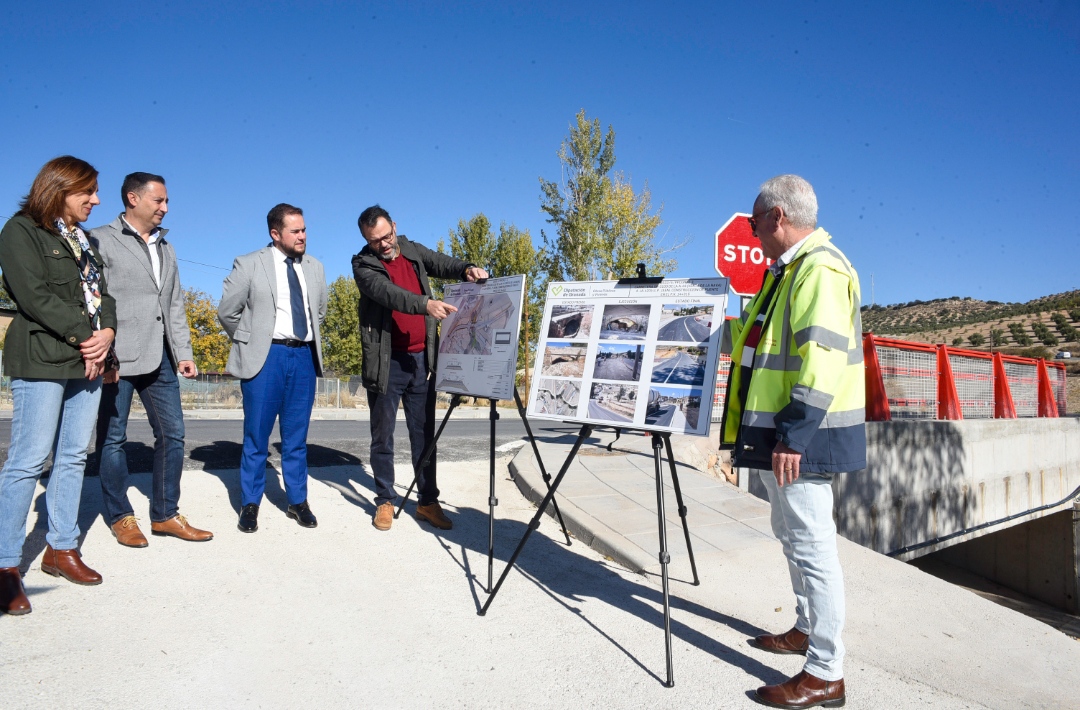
455 400
660 441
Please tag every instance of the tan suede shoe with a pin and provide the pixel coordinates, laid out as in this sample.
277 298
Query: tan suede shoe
127 533
178 526
384 516
433 513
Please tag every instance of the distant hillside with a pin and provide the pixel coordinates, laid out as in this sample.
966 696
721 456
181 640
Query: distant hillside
1039 328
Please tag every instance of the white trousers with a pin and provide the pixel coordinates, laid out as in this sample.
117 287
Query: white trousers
802 521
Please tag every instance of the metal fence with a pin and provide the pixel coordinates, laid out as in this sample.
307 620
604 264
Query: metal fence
908 380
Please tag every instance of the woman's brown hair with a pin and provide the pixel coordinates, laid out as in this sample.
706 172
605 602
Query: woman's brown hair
58 178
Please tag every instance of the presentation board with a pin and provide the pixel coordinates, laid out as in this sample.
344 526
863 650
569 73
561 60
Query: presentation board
478 345
638 356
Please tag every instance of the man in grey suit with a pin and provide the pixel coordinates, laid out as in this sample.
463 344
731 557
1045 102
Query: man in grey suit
152 343
272 304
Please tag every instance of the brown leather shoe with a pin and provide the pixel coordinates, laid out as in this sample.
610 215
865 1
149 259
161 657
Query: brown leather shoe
126 531
178 526
793 641
384 516
803 691
433 513
13 599
69 565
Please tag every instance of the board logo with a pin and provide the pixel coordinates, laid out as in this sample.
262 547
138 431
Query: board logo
556 290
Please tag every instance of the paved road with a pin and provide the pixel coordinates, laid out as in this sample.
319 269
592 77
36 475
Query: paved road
684 330
614 368
598 412
669 415
680 369
216 444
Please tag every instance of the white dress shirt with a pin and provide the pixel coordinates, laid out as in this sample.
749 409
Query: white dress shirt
152 248
283 324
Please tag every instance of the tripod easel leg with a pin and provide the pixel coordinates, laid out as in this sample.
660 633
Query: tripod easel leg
540 463
682 506
665 558
492 500
455 400
586 429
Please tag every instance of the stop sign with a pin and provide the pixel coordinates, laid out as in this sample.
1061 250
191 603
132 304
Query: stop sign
739 256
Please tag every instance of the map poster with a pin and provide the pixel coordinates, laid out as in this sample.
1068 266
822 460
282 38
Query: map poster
478 344
636 356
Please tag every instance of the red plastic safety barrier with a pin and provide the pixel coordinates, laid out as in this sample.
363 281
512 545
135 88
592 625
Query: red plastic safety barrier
912 380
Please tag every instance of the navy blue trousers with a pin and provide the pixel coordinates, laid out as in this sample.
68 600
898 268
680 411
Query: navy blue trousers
285 389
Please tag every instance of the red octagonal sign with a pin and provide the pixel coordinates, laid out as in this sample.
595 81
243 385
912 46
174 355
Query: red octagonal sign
739 256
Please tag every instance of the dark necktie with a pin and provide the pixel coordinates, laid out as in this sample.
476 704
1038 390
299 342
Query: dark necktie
296 300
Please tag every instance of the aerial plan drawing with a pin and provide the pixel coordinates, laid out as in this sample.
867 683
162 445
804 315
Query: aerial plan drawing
473 329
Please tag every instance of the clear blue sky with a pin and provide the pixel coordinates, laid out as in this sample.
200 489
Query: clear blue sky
942 137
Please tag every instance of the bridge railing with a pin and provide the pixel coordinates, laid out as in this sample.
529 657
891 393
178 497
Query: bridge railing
908 380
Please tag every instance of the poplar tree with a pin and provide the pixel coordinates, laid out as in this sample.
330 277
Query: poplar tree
602 228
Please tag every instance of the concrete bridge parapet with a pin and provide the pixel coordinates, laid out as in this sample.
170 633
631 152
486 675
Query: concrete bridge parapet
930 479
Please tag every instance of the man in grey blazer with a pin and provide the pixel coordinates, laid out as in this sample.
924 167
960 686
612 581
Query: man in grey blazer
152 343
272 304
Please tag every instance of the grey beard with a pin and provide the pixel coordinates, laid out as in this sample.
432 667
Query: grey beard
390 257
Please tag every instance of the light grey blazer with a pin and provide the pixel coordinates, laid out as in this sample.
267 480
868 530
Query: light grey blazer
145 313
248 309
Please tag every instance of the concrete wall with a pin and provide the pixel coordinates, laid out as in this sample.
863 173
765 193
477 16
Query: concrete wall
927 478
1037 558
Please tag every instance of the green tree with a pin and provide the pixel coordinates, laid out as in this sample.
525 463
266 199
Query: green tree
602 228
509 253
341 329
958 341
997 337
208 340
5 298
976 340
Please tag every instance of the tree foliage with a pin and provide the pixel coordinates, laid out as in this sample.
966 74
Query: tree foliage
341 329
602 228
208 340
509 253
6 301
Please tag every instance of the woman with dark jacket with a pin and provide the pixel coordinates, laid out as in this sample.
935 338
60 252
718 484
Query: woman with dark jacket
57 348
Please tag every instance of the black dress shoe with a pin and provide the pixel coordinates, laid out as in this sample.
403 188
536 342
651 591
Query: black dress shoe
249 518
301 513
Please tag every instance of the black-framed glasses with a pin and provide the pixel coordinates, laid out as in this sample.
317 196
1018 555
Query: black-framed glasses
753 219
383 240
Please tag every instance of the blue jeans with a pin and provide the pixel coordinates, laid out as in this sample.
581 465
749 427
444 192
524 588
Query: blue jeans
48 415
408 386
802 521
160 394
285 388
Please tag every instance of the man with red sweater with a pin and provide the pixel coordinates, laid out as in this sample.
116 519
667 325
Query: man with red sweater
399 344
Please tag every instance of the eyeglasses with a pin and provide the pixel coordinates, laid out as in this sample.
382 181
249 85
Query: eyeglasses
753 219
383 240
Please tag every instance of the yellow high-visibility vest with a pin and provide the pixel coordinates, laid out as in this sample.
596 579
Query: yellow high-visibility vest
808 385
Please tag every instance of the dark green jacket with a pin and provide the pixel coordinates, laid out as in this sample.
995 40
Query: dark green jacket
42 277
379 298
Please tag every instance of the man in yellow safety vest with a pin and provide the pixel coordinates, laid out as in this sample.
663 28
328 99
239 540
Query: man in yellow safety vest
795 412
